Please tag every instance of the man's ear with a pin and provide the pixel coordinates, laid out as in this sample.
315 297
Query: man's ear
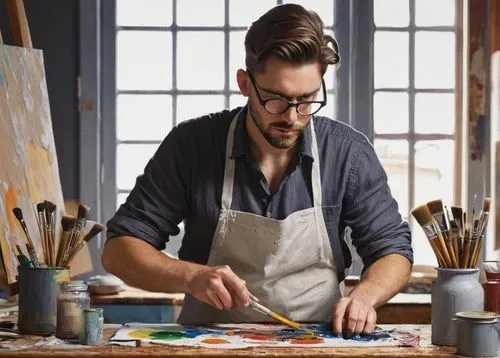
243 83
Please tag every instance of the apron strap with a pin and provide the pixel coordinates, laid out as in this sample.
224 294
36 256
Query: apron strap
316 172
227 188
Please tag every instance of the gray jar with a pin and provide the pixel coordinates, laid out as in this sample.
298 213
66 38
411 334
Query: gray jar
455 290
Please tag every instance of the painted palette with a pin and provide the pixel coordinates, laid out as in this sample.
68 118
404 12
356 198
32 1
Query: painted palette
234 336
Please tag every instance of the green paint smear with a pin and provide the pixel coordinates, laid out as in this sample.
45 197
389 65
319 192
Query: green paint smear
167 336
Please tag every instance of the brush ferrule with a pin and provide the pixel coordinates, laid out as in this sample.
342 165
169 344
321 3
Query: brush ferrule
431 230
258 307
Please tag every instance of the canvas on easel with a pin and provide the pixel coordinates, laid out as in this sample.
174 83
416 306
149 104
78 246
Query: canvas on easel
29 171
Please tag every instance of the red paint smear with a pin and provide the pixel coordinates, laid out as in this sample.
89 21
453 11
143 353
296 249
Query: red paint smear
258 337
214 341
307 341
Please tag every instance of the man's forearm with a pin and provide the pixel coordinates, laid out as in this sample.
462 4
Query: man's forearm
383 279
141 265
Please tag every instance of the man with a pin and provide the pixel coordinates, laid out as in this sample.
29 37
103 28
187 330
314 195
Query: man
265 193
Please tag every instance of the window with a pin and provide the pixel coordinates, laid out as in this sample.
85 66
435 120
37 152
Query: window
174 64
414 117
163 64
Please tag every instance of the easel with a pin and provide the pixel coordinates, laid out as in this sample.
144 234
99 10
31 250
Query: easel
18 23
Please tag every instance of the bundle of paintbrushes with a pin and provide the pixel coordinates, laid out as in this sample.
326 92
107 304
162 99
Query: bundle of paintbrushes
456 242
55 253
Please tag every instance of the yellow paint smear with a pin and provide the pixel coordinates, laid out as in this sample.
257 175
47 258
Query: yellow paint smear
140 333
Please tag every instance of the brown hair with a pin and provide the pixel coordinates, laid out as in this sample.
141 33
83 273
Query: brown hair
290 33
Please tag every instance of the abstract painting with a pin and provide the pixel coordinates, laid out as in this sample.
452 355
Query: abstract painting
238 336
29 171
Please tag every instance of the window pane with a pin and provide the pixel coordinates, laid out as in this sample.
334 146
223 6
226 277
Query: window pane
206 13
130 162
236 56
121 198
200 60
391 59
243 13
390 112
435 13
330 109
422 250
192 106
322 7
144 60
237 100
143 117
434 59
393 13
435 113
393 155
144 12
434 171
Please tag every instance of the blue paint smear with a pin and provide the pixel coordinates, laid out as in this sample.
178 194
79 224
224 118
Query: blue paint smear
325 330
198 331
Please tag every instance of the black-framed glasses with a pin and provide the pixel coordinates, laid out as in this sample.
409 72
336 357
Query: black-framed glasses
279 105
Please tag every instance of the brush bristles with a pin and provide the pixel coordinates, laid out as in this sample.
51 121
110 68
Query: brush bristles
486 204
68 222
96 229
40 207
83 211
435 206
457 211
422 214
18 213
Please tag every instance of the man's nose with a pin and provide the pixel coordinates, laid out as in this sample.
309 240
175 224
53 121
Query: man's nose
290 115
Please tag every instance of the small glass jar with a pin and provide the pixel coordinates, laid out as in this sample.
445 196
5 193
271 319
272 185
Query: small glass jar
71 302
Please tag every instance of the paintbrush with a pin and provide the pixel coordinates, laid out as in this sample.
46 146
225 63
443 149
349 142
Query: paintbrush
455 235
465 255
76 232
50 209
67 223
23 260
480 225
96 229
266 311
457 214
40 208
424 217
437 212
18 213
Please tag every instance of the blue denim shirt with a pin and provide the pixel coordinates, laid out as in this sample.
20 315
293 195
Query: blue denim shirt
183 182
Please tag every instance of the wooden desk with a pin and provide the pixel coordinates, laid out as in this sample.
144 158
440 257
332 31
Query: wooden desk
135 305
424 350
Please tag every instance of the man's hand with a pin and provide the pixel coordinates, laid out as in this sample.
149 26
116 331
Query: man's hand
354 315
218 286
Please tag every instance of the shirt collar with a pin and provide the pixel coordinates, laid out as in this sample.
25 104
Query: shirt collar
241 146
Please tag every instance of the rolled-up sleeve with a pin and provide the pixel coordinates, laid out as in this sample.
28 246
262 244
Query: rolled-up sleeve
157 203
372 213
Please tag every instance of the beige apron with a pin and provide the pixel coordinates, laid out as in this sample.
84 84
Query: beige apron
288 264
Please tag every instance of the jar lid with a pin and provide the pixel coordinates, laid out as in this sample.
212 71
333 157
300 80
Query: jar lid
74 286
478 315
